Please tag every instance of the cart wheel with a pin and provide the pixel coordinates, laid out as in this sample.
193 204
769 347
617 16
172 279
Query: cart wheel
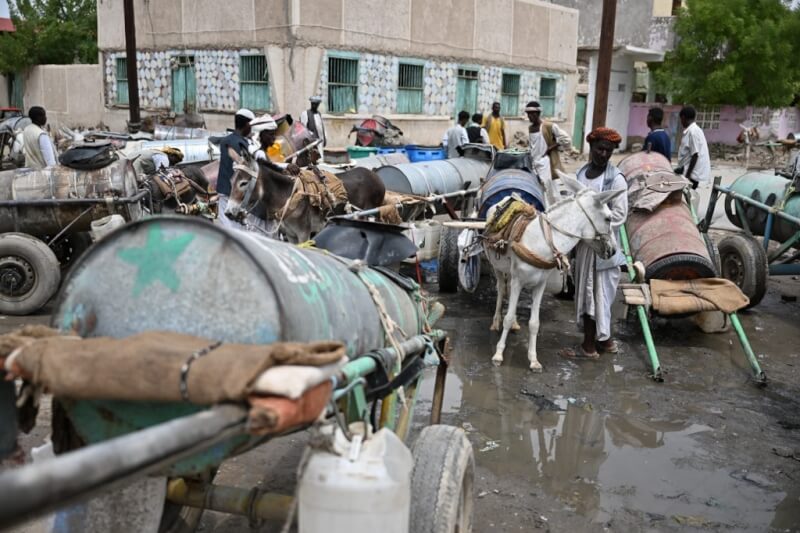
442 483
713 253
29 274
744 262
448 260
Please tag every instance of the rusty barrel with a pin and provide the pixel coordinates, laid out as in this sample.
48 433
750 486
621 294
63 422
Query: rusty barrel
507 182
665 240
115 181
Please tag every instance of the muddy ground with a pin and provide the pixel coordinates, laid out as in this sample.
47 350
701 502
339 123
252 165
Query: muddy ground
599 446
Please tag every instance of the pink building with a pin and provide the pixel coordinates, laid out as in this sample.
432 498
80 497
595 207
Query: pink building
720 123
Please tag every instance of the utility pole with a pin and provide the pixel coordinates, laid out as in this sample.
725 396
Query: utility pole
604 63
134 123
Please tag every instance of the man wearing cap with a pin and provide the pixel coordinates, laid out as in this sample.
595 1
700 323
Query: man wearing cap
546 139
312 119
237 140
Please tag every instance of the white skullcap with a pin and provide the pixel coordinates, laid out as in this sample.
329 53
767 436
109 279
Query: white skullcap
246 113
315 99
264 122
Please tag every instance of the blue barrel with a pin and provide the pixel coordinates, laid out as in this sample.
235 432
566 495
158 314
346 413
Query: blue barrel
507 182
186 275
434 177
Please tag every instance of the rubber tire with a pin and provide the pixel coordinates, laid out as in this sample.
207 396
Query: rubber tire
442 483
47 272
73 247
752 256
448 260
702 267
713 252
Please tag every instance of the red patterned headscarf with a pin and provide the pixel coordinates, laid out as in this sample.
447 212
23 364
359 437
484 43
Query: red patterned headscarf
604 134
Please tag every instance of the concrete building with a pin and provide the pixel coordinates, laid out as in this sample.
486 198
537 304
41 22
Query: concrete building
642 34
418 62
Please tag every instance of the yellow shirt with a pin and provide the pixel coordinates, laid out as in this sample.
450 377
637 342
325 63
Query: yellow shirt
495 128
275 153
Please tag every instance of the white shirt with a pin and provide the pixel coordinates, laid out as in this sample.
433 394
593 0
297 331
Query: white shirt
317 122
48 152
453 138
160 160
694 142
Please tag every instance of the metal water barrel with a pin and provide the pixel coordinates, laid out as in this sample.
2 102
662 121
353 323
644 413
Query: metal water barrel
793 136
117 180
507 182
194 150
434 177
377 161
187 275
668 243
168 133
641 162
768 189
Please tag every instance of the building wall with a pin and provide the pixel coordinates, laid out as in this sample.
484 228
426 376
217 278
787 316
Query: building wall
71 94
632 22
779 123
497 31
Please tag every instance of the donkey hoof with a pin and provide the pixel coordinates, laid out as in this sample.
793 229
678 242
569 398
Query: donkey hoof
497 360
536 367
515 326
495 326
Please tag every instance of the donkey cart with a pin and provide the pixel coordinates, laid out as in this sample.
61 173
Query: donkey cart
45 217
347 343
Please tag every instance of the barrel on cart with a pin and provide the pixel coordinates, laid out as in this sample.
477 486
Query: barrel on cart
665 240
44 219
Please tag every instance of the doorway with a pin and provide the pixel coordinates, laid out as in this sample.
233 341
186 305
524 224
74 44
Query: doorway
579 128
184 88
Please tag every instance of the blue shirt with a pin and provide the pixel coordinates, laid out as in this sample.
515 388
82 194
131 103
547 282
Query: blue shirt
239 145
658 141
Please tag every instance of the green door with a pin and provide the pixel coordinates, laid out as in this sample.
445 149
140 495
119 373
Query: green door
15 91
184 89
466 91
580 122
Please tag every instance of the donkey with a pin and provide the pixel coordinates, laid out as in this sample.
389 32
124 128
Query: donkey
582 217
259 189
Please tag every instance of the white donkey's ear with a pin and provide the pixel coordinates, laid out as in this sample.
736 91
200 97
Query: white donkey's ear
571 182
607 196
235 156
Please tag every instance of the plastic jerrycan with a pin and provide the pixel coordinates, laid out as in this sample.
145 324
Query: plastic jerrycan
358 486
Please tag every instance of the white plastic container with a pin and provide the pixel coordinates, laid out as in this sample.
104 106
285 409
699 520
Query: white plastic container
354 491
103 226
425 235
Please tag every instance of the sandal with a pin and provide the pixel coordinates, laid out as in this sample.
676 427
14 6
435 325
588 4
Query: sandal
578 353
608 346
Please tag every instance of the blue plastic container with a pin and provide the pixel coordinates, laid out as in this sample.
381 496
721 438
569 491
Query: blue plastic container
424 153
384 150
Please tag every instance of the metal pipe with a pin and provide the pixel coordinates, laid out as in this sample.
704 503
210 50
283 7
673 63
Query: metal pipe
640 311
56 202
758 374
42 487
133 78
438 391
363 366
252 503
303 150
429 199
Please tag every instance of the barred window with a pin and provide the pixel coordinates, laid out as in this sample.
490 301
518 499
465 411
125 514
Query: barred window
547 96
708 117
509 94
122 81
254 83
342 85
410 88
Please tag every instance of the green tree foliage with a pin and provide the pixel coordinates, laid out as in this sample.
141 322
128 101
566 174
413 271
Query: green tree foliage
738 52
49 32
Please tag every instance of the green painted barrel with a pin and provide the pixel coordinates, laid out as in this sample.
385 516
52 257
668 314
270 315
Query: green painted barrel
186 275
769 189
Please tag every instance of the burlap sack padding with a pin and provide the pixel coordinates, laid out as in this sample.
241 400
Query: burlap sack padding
165 184
274 414
147 366
325 196
693 296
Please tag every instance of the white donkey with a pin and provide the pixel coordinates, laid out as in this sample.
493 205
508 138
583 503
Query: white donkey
551 236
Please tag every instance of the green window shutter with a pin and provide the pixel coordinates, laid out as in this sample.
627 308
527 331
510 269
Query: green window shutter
342 85
184 89
254 83
466 91
547 96
122 81
509 94
410 94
